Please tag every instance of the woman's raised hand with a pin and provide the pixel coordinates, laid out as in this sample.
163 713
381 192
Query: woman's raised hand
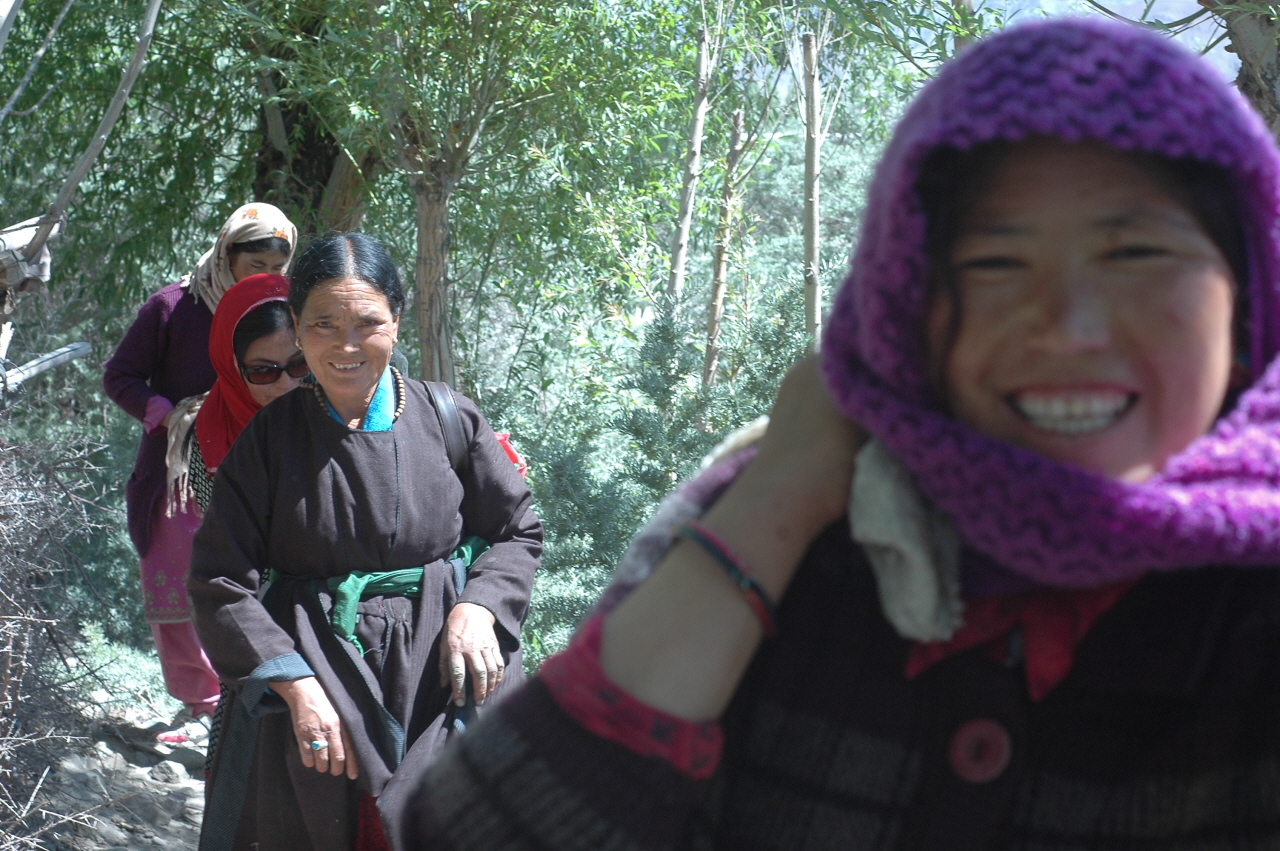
810 445
468 642
682 640
315 720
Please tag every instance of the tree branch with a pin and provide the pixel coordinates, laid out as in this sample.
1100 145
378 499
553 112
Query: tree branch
7 25
1181 22
68 190
893 42
35 60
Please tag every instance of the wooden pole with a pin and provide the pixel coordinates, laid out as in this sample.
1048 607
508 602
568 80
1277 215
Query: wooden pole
812 153
964 9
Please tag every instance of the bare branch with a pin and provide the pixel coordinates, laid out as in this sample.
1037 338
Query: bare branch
29 110
7 25
35 60
68 191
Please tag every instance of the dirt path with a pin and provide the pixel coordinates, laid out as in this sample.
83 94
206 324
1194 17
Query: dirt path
130 790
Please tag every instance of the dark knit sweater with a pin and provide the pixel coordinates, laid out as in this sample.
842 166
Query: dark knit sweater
1166 734
164 353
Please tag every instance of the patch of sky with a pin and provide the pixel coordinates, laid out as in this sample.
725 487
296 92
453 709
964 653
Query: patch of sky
1198 34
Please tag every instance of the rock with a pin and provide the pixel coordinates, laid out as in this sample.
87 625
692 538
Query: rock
191 758
175 803
114 764
193 810
168 772
141 792
75 764
110 834
148 810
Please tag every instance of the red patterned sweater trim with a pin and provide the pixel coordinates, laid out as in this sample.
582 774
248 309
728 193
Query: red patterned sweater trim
580 687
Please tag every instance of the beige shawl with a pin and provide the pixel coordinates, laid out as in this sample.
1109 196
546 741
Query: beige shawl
212 275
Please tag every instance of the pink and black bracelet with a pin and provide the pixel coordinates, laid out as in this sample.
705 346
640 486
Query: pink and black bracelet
757 598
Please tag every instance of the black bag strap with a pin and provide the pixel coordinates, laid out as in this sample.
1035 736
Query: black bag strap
455 444
455 441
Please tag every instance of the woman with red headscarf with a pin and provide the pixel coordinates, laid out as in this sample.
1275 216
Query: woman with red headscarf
253 351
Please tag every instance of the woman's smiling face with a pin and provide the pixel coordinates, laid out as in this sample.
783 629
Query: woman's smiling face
1095 314
347 332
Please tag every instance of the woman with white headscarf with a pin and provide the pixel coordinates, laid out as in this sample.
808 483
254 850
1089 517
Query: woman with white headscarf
163 359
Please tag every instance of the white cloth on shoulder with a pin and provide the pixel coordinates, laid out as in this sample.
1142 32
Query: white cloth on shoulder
914 550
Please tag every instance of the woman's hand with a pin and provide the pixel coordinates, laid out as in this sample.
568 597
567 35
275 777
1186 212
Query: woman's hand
469 642
315 720
682 640
809 448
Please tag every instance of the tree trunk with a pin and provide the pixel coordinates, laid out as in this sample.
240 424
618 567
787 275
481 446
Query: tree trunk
964 10
1254 39
302 170
720 266
342 207
812 152
431 195
692 168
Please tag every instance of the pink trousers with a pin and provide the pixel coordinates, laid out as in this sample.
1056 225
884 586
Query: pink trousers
187 673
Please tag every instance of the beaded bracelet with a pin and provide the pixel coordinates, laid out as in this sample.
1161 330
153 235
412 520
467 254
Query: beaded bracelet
765 609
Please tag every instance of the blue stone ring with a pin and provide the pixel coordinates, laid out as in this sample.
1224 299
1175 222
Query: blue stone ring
319 746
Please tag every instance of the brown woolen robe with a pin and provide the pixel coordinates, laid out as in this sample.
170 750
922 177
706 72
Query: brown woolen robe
304 495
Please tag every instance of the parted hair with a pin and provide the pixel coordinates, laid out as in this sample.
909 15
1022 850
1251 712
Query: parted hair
346 255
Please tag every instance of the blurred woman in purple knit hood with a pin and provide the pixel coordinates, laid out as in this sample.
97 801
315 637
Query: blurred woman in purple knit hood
1001 572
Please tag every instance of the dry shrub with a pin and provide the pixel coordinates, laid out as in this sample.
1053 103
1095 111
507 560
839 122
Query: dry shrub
43 506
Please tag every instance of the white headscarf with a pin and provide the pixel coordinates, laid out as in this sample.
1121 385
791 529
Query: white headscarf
212 275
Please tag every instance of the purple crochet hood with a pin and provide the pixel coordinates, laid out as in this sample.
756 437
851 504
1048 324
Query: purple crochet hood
1047 523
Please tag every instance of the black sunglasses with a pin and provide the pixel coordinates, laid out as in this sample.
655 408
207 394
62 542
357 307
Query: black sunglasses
297 368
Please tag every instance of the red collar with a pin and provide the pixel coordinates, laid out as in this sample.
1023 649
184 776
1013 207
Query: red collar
1052 624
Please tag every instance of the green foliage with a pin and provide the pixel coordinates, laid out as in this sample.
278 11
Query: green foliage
923 33
175 164
593 494
129 676
560 223
666 432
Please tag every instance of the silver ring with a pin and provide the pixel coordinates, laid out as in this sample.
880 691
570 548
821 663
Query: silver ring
319 745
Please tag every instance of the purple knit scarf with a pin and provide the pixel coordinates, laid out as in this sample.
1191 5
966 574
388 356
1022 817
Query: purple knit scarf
1047 523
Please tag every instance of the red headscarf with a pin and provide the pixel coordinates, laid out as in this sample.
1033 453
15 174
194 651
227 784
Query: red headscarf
229 406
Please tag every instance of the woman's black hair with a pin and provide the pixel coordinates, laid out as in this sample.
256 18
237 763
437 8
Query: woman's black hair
264 320
950 180
345 255
276 244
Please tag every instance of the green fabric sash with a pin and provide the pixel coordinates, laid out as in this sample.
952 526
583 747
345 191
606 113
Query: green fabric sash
349 590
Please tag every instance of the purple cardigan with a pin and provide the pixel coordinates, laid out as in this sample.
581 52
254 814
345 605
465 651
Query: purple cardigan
165 353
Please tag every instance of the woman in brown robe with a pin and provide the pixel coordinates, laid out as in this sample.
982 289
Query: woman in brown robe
351 479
